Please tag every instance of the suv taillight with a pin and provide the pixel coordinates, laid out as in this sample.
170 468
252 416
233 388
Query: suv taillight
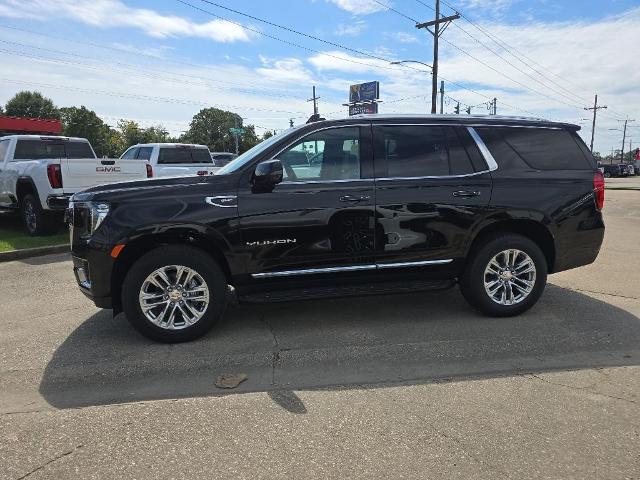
55 175
149 171
598 189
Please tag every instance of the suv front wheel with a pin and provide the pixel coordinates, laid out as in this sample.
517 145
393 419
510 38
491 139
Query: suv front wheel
174 294
505 276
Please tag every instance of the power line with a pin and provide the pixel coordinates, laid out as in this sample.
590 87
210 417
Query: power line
141 97
505 75
293 44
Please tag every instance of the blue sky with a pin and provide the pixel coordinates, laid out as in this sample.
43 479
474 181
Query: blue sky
161 61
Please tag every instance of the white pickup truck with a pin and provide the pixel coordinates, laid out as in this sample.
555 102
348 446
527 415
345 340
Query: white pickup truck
38 174
173 159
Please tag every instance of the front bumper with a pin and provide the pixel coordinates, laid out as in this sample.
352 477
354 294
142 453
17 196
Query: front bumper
90 287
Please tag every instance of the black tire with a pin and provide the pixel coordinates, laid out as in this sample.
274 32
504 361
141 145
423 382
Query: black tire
187 256
472 281
36 221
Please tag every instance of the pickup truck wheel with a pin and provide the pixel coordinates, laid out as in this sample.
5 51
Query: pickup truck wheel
505 276
36 220
174 294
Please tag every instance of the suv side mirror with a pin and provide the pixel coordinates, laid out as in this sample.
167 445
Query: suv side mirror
267 175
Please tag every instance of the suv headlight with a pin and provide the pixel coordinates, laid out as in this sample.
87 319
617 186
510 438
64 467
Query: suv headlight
99 212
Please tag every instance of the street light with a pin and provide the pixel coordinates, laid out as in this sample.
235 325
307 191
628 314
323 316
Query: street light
433 107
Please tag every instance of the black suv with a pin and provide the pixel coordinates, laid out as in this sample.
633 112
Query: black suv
368 204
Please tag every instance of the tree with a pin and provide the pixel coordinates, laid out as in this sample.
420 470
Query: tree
268 134
32 105
210 126
82 122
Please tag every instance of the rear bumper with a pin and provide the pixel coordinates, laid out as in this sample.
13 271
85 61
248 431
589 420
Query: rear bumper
582 248
58 202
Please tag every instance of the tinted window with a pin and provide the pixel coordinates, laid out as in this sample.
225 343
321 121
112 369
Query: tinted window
130 154
201 155
332 154
170 155
78 150
37 149
420 151
144 153
536 148
4 146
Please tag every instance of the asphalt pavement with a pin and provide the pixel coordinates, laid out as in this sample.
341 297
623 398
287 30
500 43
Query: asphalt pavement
397 386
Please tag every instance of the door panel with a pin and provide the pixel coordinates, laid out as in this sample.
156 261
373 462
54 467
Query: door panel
435 189
321 215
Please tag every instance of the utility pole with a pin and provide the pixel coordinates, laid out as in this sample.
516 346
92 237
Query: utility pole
595 109
436 32
457 109
468 110
441 97
624 138
235 135
314 100
495 106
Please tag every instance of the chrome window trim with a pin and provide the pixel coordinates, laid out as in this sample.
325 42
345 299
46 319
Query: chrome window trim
484 151
351 268
431 177
324 182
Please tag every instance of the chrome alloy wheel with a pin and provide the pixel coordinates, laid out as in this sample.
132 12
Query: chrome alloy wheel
510 277
174 297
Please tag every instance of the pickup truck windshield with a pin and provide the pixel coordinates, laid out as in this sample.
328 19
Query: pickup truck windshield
247 156
39 149
173 155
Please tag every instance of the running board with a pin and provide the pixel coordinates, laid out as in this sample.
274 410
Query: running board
346 291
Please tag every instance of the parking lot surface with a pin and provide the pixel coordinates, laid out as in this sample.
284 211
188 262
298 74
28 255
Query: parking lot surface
398 386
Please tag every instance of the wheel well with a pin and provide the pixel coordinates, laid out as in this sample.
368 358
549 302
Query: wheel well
23 188
137 248
533 230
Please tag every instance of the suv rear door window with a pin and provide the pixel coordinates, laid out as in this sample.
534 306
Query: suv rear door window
538 148
421 151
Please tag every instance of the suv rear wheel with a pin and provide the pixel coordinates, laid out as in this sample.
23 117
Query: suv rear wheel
505 276
174 294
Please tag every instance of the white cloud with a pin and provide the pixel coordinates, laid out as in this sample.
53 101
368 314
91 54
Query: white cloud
114 13
402 37
358 7
286 70
490 7
350 30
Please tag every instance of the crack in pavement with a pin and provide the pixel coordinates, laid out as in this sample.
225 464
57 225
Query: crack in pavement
582 389
44 465
276 351
602 293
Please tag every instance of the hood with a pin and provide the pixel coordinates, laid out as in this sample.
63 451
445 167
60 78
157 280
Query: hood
141 188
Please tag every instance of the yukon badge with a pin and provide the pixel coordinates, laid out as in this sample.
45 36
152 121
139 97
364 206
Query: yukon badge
279 241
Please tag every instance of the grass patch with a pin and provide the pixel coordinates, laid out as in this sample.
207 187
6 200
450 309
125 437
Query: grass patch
13 235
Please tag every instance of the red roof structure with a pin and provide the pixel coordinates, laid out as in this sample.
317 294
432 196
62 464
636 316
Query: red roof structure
13 125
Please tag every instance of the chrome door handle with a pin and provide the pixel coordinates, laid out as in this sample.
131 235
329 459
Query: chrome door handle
466 193
354 198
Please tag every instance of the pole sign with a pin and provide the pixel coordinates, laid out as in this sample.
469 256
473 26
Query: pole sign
364 92
363 108
236 131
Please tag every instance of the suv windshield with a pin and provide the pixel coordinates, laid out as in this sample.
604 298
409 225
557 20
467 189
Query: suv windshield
247 156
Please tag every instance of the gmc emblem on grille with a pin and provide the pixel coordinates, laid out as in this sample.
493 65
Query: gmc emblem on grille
108 169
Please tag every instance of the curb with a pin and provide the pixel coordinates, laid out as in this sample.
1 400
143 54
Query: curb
32 252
